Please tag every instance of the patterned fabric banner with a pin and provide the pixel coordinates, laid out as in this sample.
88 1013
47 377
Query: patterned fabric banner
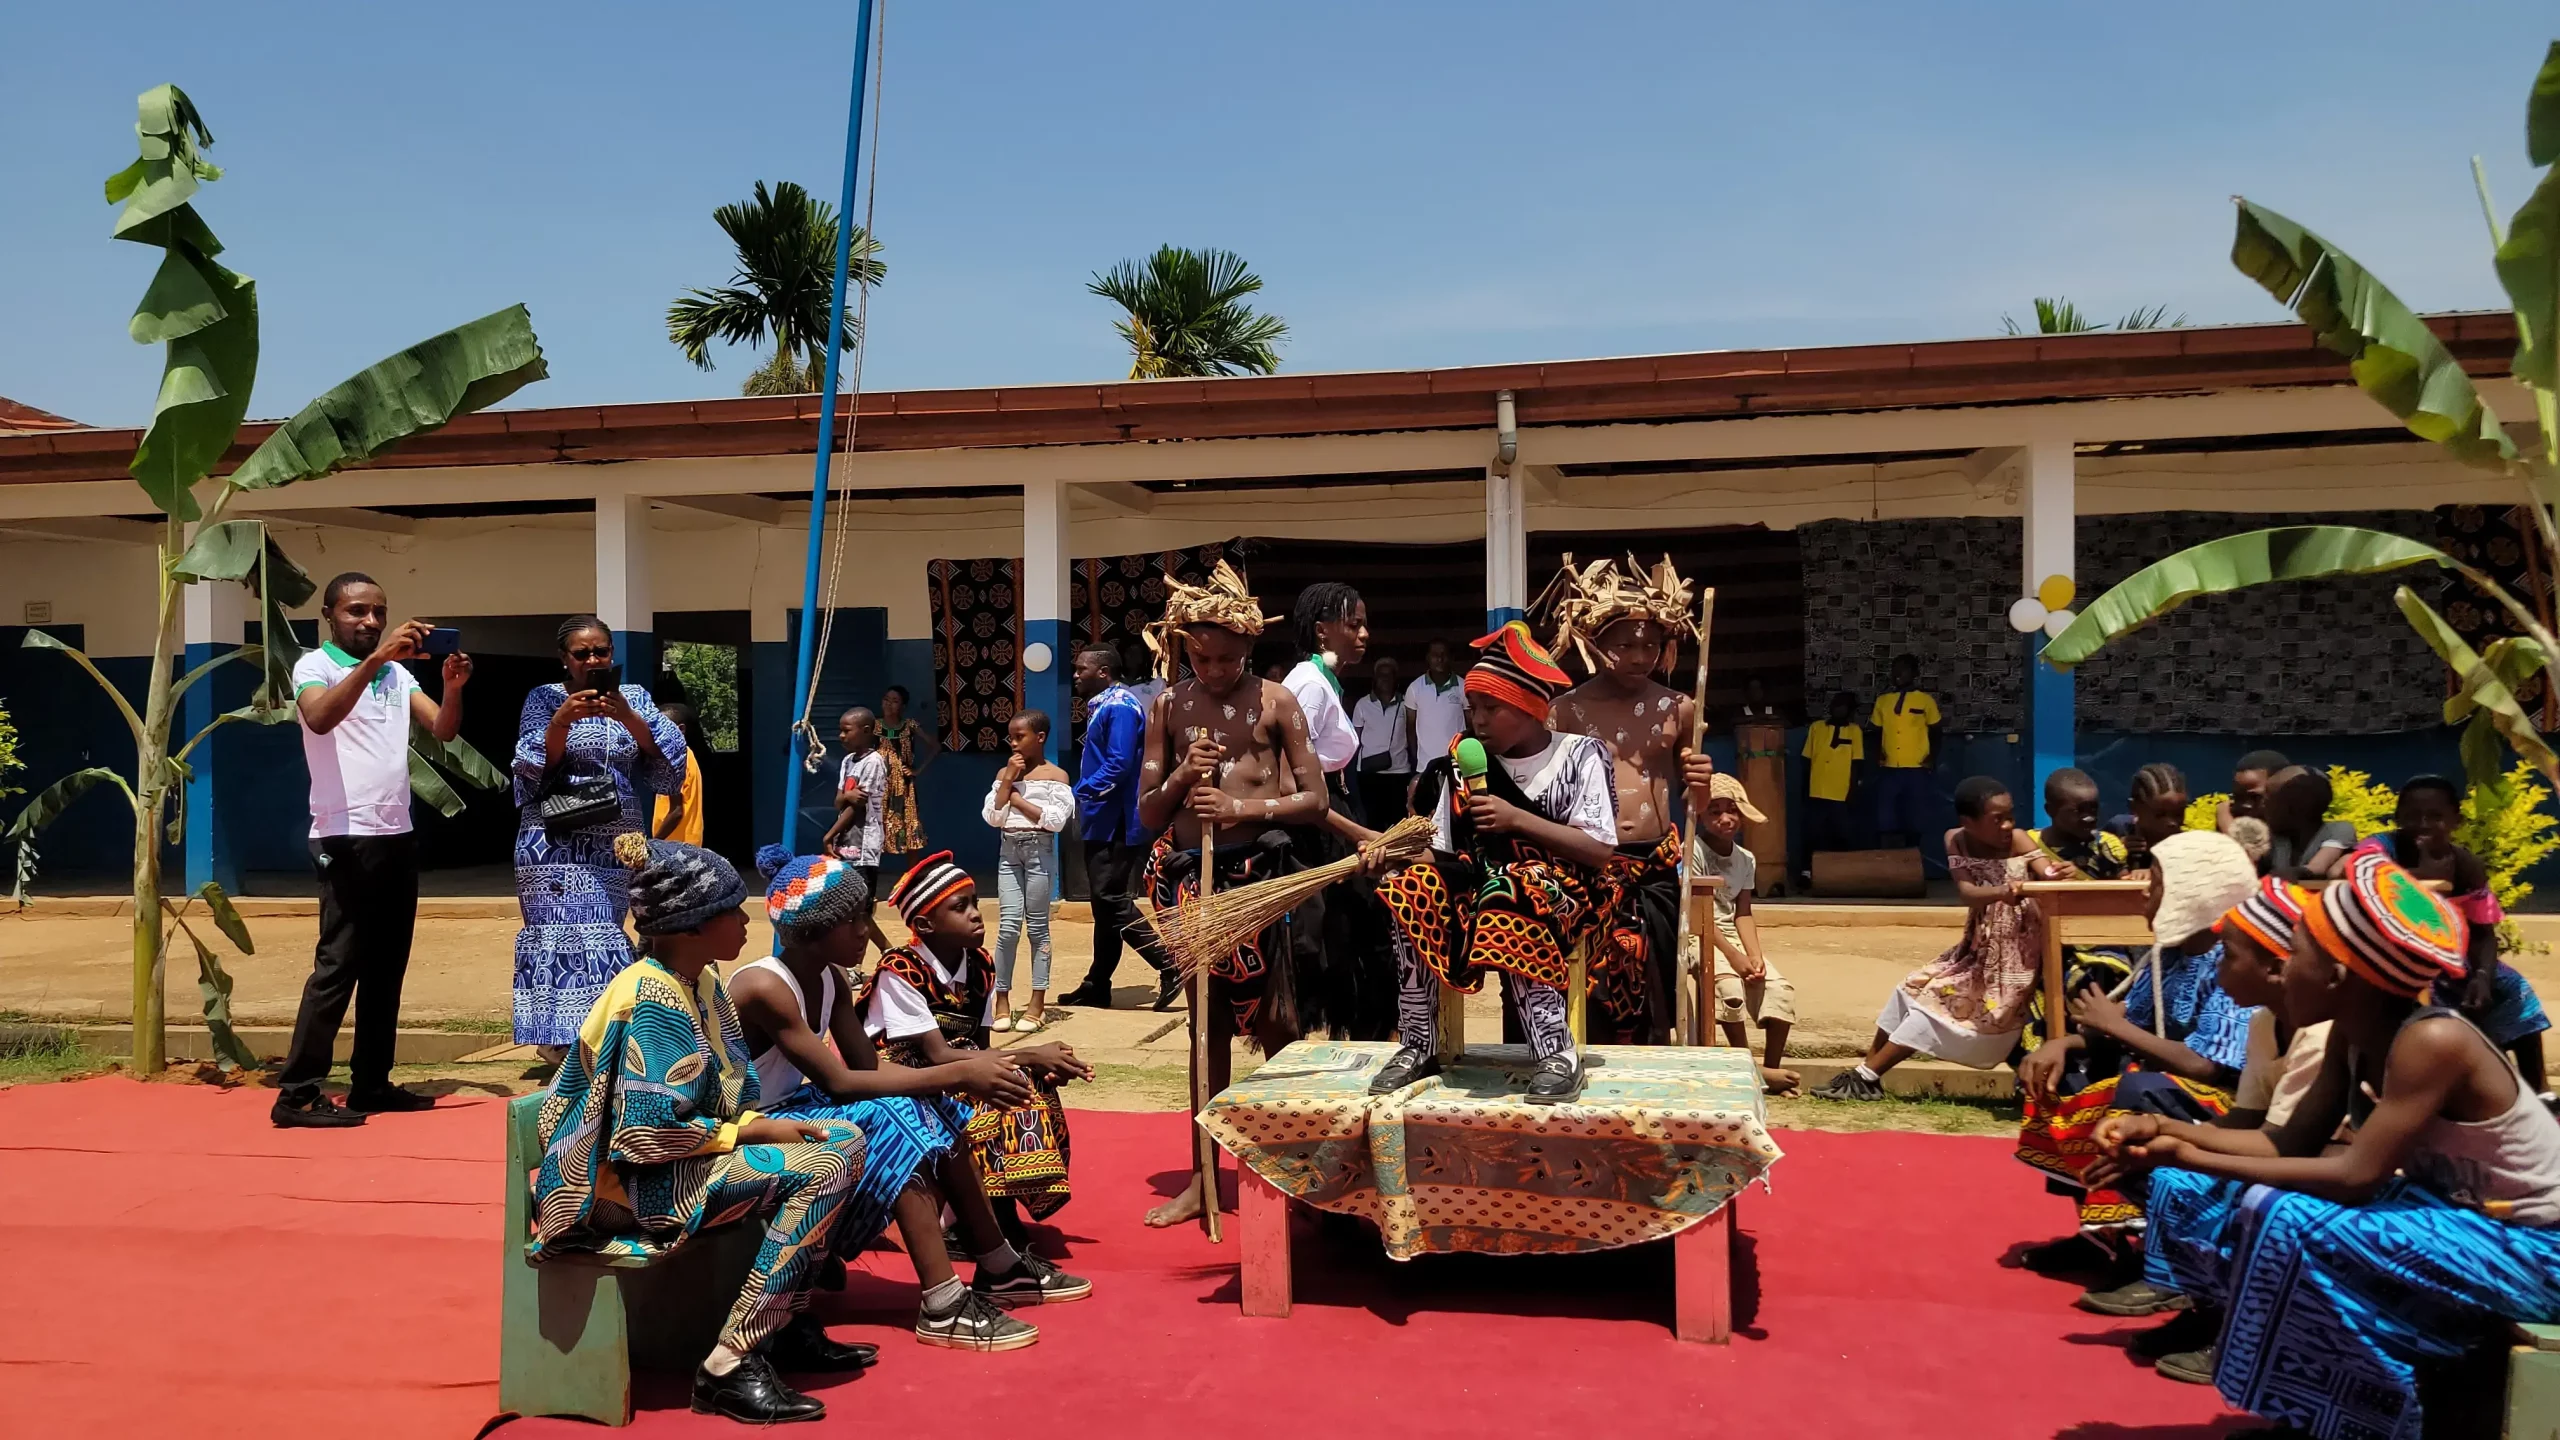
977 650
1111 601
2505 545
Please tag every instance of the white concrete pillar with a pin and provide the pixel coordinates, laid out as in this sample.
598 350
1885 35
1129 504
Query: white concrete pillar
2048 518
622 583
1047 658
1506 549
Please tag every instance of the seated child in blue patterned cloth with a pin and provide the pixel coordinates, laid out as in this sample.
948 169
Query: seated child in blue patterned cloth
2491 995
791 1005
649 1137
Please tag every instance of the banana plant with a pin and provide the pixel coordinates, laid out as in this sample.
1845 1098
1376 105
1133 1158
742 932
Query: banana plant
206 317
2396 359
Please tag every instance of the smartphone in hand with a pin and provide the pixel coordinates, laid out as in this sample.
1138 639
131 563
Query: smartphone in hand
604 680
444 640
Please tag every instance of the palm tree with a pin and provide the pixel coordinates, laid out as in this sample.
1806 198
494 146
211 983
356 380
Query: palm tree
786 242
1187 315
2055 316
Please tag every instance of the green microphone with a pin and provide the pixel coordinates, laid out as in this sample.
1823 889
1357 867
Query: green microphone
1472 763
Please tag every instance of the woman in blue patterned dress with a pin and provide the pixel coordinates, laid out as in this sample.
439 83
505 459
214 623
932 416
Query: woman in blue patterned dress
572 891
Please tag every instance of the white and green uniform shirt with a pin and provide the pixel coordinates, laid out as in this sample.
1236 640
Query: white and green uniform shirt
360 769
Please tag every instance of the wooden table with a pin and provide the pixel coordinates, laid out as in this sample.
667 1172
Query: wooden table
2077 903
1658 1146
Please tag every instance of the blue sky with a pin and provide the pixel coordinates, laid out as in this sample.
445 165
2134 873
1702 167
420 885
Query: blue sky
1419 183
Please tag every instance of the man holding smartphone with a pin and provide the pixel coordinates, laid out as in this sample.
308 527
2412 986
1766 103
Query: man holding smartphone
356 703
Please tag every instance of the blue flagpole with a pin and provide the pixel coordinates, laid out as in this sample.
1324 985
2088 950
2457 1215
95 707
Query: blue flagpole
791 769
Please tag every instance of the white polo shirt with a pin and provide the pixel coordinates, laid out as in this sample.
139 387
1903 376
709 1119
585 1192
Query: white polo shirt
360 769
1329 731
1439 714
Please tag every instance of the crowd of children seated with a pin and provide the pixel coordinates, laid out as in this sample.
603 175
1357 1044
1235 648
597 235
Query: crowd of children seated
2310 1127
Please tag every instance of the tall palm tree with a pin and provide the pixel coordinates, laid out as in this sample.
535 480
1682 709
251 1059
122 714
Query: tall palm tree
2056 316
1187 315
786 241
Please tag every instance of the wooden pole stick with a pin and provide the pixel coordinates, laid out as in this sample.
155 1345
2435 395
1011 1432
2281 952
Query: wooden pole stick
1204 1149
1701 1010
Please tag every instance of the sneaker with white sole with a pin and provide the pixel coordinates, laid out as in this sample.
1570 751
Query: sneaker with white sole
977 1323
1850 1085
1034 1281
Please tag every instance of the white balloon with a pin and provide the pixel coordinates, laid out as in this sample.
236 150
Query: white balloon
2057 622
1035 657
2026 614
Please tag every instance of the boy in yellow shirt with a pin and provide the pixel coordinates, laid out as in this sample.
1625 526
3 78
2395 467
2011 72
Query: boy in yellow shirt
1835 750
1906 720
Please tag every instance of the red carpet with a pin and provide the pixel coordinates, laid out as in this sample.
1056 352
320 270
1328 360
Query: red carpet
176 1265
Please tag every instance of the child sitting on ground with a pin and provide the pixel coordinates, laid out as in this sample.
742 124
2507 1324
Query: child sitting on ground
2156 808
790 1006
2303 844
650 1136
2175 1049
932 1001
2435 1227
1749 990
2492 995
1970 1004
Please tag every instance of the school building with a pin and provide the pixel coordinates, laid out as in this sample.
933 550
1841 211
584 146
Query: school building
1849 503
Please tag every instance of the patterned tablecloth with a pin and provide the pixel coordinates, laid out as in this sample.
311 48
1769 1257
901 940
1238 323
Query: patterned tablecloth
1658 1140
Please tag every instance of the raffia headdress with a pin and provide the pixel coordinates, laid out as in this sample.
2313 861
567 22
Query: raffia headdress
1223 602
1583 602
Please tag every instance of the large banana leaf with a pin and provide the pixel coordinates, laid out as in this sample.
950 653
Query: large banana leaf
2529 266
464 369
214 984
2542 113
2235 562
2484 695
457 755
57 797
429 786
246 551
206 315
2394 357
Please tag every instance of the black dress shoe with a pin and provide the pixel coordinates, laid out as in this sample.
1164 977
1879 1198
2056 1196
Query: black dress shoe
1408 1064
1558 1080
752 1393
1168 989
390 1099
318 1113
802 1348
1093 997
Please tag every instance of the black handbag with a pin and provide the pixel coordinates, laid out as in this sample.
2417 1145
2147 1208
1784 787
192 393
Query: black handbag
574 802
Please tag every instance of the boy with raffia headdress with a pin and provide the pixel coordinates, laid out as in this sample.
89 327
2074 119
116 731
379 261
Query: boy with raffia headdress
1514 879
1229 750
1627 626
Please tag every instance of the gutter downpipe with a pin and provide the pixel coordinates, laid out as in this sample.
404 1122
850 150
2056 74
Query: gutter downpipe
792 767
1506 432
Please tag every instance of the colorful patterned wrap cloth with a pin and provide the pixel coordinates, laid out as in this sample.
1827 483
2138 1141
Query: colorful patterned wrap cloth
1660 1139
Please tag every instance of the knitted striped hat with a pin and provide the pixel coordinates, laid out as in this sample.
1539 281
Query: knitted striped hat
1516 670
2387 928
676 887
810 894
928 883
2267 916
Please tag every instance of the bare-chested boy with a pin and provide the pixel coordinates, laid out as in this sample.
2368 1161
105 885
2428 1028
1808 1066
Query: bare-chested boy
1627 626
1228 750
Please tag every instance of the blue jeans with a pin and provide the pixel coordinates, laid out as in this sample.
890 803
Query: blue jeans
1026 882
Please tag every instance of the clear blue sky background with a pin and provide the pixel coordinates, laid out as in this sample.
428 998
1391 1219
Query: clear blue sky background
1420 183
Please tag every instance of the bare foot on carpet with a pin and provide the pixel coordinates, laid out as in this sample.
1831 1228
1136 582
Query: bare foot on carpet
1180 1210
1780 1082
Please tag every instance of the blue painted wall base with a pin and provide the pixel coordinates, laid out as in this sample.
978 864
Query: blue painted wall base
2051 730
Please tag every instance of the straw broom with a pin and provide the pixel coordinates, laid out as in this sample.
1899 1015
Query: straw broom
1207 928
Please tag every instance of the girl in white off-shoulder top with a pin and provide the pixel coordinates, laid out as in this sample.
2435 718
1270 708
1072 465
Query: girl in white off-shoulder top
1029 805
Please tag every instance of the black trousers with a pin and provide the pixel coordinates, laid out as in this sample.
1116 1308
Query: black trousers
368 911
1111 874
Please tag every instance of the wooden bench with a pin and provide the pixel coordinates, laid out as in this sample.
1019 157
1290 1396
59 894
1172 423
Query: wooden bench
2094 908
573 1328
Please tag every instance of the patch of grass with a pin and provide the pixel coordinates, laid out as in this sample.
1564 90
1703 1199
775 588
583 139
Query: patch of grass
1938 1115
465 1025
38 1055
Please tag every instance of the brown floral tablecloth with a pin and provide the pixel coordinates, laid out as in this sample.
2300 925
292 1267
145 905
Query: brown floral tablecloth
1658 1140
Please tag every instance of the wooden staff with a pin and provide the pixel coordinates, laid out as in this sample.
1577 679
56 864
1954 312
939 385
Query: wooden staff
1701 1008
1204 1158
